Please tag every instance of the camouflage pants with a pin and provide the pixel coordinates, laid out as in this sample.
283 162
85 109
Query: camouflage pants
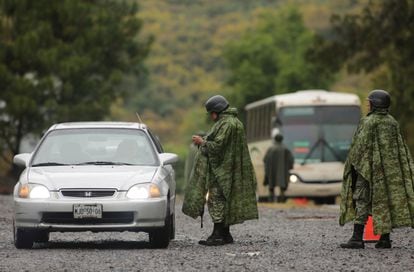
216 203
362 198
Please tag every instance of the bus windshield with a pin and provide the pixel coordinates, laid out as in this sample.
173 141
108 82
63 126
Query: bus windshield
318 133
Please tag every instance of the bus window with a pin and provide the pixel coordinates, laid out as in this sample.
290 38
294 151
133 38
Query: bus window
320 133
259 122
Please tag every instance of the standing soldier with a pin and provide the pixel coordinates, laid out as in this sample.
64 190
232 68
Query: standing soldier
223 168
277 161
378 176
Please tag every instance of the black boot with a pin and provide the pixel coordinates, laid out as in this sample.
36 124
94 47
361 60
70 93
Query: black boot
228 239
216 238
356 239
281 198
384 241
271 195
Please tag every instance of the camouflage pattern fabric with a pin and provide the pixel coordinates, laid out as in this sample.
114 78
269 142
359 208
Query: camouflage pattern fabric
379 154
196 187
362 200
216 203
189 162
227 162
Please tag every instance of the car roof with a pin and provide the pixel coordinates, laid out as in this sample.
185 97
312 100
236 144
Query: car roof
98 124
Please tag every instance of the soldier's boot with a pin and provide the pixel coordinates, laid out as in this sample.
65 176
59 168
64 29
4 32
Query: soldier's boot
384 241
281 198
216 238
228 239
356 239
271 195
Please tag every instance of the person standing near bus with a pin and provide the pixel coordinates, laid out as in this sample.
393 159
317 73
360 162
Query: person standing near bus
277 161
225 170
378 176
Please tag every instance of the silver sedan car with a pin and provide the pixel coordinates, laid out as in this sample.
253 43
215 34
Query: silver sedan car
95 176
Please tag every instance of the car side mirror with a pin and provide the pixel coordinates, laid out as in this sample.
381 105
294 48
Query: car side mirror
168 158
22 159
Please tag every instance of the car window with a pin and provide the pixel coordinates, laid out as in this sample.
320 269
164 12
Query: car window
96 146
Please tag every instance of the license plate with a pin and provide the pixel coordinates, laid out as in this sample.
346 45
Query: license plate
87 211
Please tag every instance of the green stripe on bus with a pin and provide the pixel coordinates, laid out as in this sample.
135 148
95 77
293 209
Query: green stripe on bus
301 144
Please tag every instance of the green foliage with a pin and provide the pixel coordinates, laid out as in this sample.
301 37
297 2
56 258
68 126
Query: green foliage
186 64
270 58
64 61
378 41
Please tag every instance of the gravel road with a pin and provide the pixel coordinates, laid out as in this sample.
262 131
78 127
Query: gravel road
284 239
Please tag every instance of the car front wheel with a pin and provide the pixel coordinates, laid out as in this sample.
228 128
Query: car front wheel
172 234
41 236
22 238
160 238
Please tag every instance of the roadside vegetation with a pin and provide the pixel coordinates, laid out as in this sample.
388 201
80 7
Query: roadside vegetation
77 60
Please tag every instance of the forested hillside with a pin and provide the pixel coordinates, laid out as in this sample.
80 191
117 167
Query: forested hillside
186 63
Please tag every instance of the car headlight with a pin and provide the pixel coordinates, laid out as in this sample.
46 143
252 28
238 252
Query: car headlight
293 178
34 191
143 191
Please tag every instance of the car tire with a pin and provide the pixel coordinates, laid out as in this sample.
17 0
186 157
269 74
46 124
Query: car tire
23 239
172 234
160 238
41 236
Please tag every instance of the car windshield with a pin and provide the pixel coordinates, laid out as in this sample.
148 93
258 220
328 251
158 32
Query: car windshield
319 134
95 147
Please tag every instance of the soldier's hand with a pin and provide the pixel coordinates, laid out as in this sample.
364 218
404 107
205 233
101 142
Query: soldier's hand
197 140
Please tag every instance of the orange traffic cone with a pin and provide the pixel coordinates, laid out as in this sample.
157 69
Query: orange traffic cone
301 201
369 235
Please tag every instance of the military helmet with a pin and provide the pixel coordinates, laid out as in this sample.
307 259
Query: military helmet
216 103
379 99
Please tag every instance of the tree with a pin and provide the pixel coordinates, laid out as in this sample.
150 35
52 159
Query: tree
64 61
377 41
270 59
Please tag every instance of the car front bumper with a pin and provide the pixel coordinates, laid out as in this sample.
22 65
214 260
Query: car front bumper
120 214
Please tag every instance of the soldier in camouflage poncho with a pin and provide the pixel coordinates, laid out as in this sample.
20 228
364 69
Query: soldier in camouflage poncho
378 176
223 168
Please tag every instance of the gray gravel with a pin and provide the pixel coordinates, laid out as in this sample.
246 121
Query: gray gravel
284 239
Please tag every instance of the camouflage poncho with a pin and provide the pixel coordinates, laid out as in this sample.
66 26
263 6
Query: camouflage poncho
379 154
278 161
225 158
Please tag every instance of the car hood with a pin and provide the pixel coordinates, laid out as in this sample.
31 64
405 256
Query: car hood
91 176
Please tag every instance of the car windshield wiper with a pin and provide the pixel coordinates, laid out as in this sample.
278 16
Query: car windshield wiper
48 164
103 163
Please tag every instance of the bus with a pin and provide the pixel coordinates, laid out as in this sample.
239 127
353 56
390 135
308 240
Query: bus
317 127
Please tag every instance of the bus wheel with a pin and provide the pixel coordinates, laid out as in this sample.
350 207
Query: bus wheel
330 200
324 200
